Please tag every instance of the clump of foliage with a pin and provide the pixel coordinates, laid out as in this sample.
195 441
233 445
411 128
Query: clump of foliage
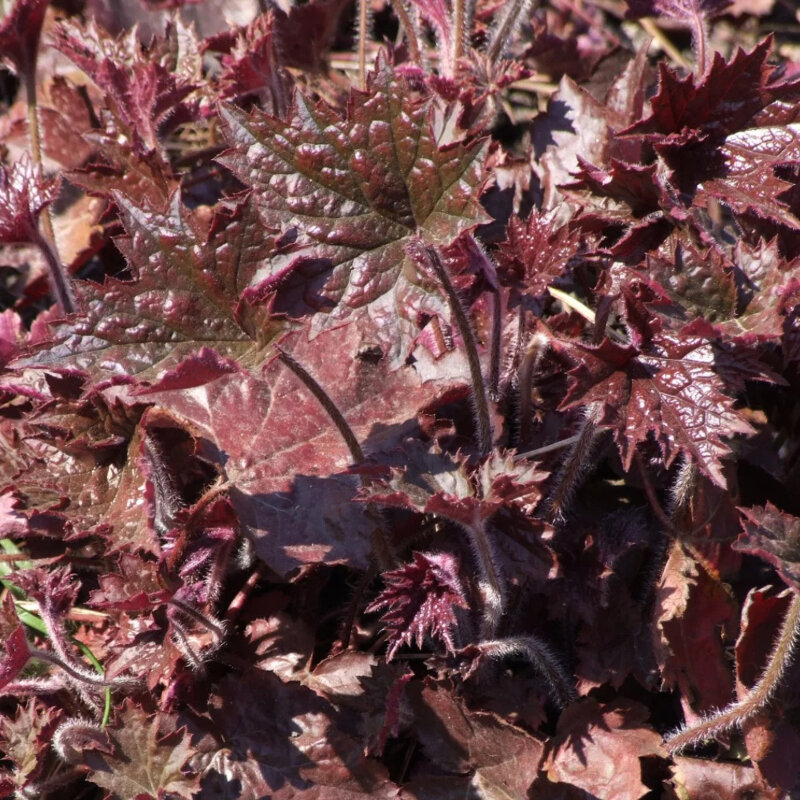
399 400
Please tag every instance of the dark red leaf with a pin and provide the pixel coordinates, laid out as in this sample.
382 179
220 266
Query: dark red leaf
144 96
419 599
598 748
774 536
20 29
692 612
716 104
286 459
145 763
56 589
703 778
24 193
663 384
535 253
199 308
501 759
16 644
357 190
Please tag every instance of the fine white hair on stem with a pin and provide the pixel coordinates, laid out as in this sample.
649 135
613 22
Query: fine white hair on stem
490 584
684 485
72 736
540 656
508 22
575 464
736 714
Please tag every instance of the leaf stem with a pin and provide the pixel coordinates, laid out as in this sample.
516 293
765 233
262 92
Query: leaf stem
531 362
324 399
45 240
83 675
430 256
548 448
574 465
758 697
363 23
496 345
414 51
457 26
540 656
511 17
491 583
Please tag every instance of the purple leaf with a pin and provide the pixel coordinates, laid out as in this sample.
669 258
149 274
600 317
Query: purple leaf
24 194
418 601
357 190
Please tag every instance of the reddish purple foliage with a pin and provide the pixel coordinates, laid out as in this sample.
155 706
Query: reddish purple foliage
419 599
397 447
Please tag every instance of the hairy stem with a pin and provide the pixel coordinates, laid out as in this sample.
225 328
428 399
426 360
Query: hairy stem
737 713
167 502
496 346
214 626
61 284
574 465
492 586
540 656
508 22
458 33
324 399
73 736
46 241
684 486
429 256
531 362
83 675
652 498
410 31
699 40
26 686
363 32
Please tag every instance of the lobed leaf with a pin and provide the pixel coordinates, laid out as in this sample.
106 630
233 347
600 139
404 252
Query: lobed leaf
356 190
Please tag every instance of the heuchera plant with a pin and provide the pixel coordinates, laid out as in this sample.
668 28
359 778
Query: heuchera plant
399 401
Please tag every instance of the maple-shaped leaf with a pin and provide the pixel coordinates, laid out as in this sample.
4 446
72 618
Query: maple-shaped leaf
694 614
700 281
185 294
633 187
253 68
746 177
54 589
432 482
356 190
501 760
770 281
598 749
696 777
535 253
26 740
143 95
722 101
24 194
419 599
86 449
283 741
146 764
774 536
664 383
20 29
285 458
